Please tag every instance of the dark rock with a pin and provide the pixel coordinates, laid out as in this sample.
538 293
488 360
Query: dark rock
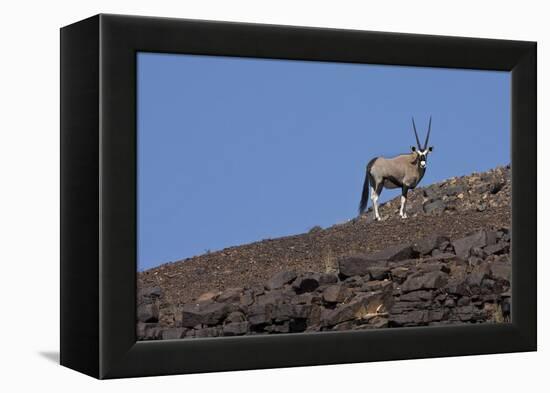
481 189
459 269
259 315
336 294
305 298
209 314
505 258
477 275
347 312
400 273
347 325
463 246
443 246
491 237
395 253
235 316
235 328
328 278
430 192
490 297
314 318
247 298
281 312
147 331
230 295
316 229
465 313
417 296
431 280
173 333
454 190
207 332
496 187
379 272
444 257
354 266
279 328
301 311
437 315
153 333
457 286
257 290
474 261
274 297
378 301
148 312
416 317
376 285
498 248
355 281
449 302
378 323
459 263
501 271
150 292
400 307
435 207
280 279
488 286
435 267
478 252
441 297
297 325
313 328
306 283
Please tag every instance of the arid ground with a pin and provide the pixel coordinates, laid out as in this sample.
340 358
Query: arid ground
449 262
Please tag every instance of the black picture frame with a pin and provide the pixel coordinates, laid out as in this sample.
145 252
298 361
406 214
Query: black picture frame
98 195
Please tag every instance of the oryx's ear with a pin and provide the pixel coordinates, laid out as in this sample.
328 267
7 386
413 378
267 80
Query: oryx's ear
430 149
413 148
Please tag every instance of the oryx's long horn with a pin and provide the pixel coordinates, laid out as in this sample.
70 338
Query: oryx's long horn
428 135
416 135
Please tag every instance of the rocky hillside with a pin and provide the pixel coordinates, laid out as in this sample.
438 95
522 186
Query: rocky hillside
427 269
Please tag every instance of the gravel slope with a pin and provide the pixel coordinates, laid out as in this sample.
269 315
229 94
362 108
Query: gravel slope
455 208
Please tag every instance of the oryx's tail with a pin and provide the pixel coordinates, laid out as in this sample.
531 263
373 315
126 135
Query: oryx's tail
365 194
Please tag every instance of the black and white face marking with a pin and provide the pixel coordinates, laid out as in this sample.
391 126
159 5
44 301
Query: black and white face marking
423 156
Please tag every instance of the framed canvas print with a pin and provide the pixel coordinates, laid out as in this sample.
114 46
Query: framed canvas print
298 196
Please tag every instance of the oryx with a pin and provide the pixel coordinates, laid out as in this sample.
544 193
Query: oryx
404 171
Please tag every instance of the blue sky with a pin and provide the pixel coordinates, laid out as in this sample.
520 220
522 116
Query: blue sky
235 150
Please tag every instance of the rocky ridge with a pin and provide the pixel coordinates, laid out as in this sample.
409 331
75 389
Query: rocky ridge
433 281
452 266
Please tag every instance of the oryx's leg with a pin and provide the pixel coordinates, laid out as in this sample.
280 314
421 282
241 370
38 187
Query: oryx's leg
375 194
402 210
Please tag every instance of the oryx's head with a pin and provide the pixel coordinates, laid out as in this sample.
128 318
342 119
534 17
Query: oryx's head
422 152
